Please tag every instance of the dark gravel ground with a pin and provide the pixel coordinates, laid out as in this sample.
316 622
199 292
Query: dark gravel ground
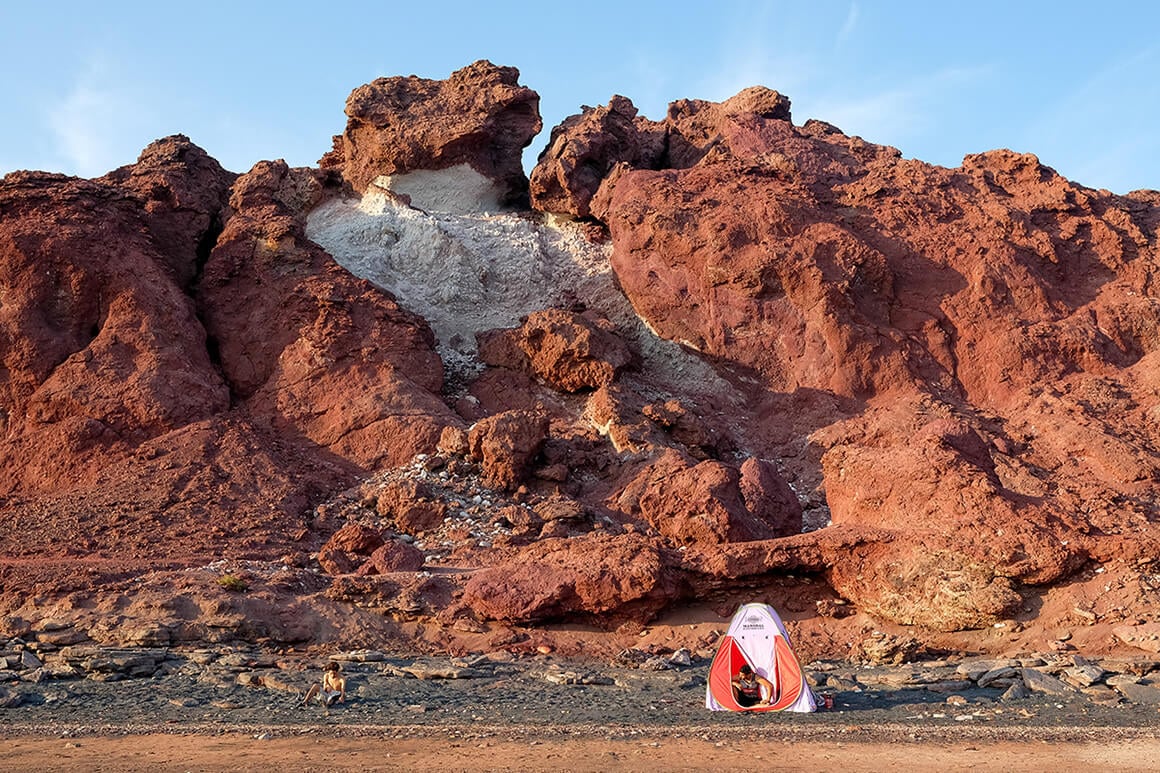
524 699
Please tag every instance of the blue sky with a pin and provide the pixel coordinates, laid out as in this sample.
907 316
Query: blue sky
87 85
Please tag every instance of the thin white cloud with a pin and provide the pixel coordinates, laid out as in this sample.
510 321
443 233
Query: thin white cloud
892 116
755 65
758 47
1102 132
847 26
93 124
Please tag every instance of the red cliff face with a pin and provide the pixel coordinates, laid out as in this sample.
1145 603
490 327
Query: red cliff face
993 330
102 349
932 391
308 347
185 374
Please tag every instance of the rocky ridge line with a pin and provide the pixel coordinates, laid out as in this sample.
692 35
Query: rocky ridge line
944 375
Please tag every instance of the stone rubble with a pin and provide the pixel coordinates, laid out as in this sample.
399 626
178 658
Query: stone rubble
28 668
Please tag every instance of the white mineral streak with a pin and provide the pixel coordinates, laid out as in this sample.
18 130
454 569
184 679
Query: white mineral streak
458 189
467 272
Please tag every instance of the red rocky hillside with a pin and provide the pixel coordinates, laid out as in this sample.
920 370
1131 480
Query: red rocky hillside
722 355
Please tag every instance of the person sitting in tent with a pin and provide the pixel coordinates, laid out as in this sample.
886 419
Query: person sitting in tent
333 687
750 689
757 643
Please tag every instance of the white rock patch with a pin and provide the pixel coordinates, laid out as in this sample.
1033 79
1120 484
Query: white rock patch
470 272
458 189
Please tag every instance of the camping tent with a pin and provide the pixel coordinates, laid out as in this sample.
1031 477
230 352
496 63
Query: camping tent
757 636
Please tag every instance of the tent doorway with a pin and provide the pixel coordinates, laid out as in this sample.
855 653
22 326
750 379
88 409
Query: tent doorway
758 638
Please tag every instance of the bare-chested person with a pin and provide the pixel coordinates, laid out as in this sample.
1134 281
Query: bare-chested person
332 688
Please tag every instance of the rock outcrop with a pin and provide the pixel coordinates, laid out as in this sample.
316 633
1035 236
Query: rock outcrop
600 142
304 344
711 502
952 309
567 350
479 117
505 444
560 579
770 357
584 149
101 348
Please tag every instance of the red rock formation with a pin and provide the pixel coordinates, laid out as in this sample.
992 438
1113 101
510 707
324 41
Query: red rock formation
707 503
699 439
101 349
479 116
595 575
183 193
567 350
393 556
584 149
505 444
355 538
769 498
695 125
121 435
619 412
955 369
411 506
306 345
989 298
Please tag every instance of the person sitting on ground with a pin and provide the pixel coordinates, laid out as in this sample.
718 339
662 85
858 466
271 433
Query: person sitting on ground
332 688
750 689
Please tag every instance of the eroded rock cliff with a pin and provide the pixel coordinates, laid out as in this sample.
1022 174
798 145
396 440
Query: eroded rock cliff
722 353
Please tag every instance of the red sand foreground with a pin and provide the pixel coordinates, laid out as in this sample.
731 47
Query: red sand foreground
244 752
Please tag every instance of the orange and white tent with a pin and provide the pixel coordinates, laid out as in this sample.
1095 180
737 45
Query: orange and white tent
757 636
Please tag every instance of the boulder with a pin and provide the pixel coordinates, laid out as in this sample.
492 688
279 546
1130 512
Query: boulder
505 445
560 508
518 516
355 538
1140 693
393 556
569 351
1040 682
618 412
420 517
348 548
768 497
411 504
479 117
926 583
704 502
697 127
453 441
681 425
595 575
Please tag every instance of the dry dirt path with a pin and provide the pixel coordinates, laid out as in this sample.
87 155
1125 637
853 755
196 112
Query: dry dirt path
358 749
